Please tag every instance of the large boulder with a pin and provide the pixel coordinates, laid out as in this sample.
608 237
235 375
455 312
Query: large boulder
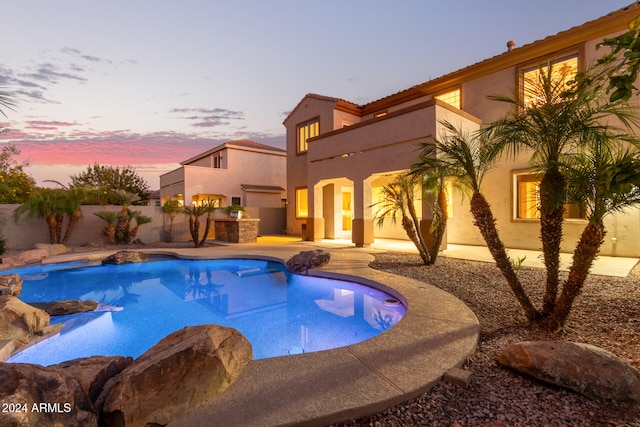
11 284
33 395
93 372
302 262
125 257
32 256
64 307
20 321
183 371
52 249
585 369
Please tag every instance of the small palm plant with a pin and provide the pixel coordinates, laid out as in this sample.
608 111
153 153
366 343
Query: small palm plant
109 231
399 200
118 229
140 220
195 212
124 198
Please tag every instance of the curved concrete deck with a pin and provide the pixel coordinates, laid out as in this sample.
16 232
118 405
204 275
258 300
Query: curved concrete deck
437 333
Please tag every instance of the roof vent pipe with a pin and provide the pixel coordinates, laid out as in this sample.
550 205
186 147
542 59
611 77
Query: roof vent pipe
511 44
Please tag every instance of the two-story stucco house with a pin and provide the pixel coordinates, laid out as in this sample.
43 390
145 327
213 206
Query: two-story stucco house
237 172
340 154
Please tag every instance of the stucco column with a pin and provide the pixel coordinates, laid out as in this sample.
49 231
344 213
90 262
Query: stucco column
315 221
362 228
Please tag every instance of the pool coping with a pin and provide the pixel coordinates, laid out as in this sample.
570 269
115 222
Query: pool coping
437 333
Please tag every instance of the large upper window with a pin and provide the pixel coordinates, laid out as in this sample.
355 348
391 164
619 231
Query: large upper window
563 70
302 202
305 131
527 199
451 97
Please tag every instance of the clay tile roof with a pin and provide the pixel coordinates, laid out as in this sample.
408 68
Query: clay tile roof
341 104
607 24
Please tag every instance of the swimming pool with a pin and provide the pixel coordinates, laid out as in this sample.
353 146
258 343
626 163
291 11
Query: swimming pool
280 313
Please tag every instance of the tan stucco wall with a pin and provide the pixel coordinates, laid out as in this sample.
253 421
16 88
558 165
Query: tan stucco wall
23 235
265 200
243 167
307 109
382 146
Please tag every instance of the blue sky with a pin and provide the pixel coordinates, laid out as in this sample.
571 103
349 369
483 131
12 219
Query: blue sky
152 83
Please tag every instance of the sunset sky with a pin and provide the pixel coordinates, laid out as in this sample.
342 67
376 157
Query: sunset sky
151 83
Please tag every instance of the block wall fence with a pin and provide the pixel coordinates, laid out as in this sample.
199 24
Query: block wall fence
24 235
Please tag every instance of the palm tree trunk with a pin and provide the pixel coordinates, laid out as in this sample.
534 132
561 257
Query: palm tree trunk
122 228
486 223
552 197
586 251
132 234
59 219
206 230
73 220
441 225
420 244
168 237
410 229
110 232
194 228
51 223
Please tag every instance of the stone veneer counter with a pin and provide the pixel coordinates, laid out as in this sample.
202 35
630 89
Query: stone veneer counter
236 230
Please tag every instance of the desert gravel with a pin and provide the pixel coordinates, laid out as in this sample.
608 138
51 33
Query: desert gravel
606 314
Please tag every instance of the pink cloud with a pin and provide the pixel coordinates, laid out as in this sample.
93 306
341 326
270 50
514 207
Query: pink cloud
40 125
113 148
56 150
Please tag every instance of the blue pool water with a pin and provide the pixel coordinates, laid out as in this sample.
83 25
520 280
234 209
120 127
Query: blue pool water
280 313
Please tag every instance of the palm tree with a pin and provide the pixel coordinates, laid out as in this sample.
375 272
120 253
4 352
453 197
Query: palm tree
466 158
434 178
398 199
210 207
195 212
72 199
140 220
558 116
605 178
47 204
109 231
124 198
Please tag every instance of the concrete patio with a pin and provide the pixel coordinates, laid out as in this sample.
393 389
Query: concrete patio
602 265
